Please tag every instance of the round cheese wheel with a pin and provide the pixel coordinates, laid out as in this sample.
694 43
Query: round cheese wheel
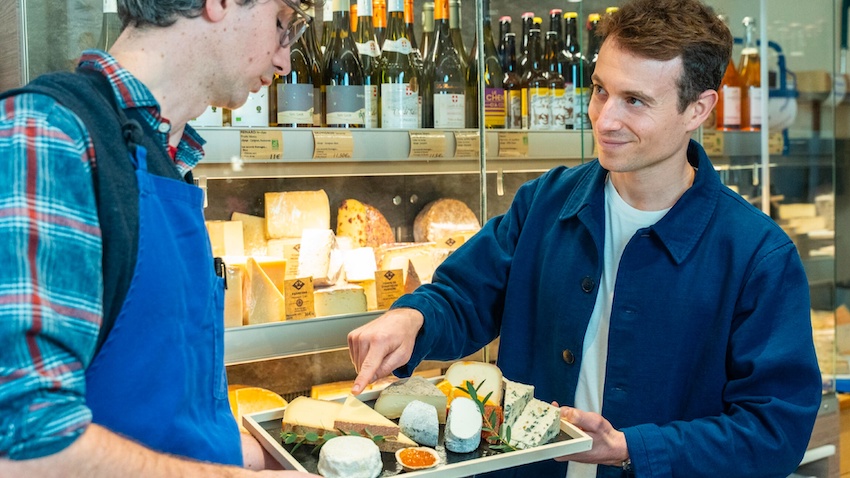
363 223
245 400
443 218
350 457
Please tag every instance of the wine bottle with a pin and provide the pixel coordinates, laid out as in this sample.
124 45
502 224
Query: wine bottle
594 41
379 20
728 110
427 42
576 76
513 86
400 92
110 27
291 98
343 85
454 30
370 60
555 81
316 68
443 104
494 93
527 20
749 70
352 13
535 87
408 23
504 29
327 25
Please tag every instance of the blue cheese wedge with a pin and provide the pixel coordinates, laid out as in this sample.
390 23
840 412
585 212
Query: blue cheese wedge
517 396
463 426
539 423
419 423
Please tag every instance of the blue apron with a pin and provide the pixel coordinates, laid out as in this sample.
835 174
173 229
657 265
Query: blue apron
159 378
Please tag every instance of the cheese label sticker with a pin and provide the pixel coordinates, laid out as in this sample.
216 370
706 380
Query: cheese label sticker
298 294
261 144
513 144
452 242
389 286
427 144
333 144
467 144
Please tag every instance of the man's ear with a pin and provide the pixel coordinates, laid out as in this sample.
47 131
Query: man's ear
699 110
215 10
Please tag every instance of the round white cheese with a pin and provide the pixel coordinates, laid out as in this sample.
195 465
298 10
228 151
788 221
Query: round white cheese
350 457
419 422
463 426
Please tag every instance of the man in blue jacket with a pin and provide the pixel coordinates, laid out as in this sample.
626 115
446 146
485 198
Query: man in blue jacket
668 314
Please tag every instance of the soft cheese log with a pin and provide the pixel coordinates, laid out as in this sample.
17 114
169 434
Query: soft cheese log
253 233
319 257
517 396
264 301
339 299
393 399
356 416
539 423
485 377
442 218
419 422
225 238
463 426
364 224
289 213
308 415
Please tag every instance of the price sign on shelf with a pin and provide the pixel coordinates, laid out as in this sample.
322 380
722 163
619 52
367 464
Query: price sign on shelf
260 144
333 144
467 144
427 144
712 142
513 144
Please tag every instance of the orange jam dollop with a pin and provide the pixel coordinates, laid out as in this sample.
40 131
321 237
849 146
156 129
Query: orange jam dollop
417 457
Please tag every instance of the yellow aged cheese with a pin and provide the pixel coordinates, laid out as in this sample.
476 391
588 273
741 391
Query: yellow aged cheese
289 213
264 301
356 416
364 224
424 256
308 415
359 264
225 238
253 233
371 291
234 307
289 249
339 299
245 400
443 218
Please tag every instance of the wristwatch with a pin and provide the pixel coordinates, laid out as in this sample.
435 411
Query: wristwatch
627 466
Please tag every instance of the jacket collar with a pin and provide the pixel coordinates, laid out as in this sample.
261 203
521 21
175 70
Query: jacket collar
679 230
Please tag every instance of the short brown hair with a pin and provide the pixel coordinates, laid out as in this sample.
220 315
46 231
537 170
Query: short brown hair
665 29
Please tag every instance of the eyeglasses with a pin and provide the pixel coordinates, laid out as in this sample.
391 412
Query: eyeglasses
296 26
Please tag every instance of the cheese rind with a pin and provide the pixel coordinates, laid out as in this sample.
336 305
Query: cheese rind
517 396
463 426
308 415
442 218
485 377
419 422
393 399
289 213
364 224
245 400
539 423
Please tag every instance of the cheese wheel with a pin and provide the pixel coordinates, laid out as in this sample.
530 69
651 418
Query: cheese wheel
245 400
443 218
364 224
289 213
350 457
339 299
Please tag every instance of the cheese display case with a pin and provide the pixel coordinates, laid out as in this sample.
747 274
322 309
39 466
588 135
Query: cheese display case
796 169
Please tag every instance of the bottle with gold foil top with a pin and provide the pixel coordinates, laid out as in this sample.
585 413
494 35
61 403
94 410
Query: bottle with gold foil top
400 79
343 84
443 101
379 19
728 110
749 69
370 60
410 35
494 93
513 85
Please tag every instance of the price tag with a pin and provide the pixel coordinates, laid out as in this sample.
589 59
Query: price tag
389 286
298 294
513 144
712 142
467 144
333 144
261 143
775 143
427 144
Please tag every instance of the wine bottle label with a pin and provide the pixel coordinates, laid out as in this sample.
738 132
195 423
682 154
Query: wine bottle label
295 103
494 107
755 106
559 108
731 106
370 48
371 116
346 104
402 45
399 106
513 118
254 112
449 110
539 109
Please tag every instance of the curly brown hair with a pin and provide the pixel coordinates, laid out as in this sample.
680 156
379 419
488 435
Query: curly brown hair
665 29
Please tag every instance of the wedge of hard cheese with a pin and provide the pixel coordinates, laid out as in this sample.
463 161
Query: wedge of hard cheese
356 416
308 415
396 396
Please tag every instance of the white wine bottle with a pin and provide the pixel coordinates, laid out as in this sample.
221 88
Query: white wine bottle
291 97
454 29
327 25
427 42
345 99
494 93
400 95
316 61
370 60
111 26
443 101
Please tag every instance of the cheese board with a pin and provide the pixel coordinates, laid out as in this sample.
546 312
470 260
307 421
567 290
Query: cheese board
266 428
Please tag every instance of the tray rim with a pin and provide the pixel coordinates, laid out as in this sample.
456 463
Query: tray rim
579 442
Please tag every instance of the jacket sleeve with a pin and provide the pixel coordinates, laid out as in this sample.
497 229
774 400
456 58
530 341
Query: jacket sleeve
773 389
463 305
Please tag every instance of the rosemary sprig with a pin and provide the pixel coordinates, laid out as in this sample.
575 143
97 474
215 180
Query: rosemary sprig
312 438
501 439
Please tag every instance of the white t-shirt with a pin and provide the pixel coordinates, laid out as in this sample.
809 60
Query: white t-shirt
622 221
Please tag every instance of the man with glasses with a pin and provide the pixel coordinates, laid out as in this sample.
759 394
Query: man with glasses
111 327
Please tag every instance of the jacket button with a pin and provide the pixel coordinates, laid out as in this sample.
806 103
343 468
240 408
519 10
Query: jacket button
587 284
568 356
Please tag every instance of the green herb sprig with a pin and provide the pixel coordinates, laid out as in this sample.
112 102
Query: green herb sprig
312 438
501 439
